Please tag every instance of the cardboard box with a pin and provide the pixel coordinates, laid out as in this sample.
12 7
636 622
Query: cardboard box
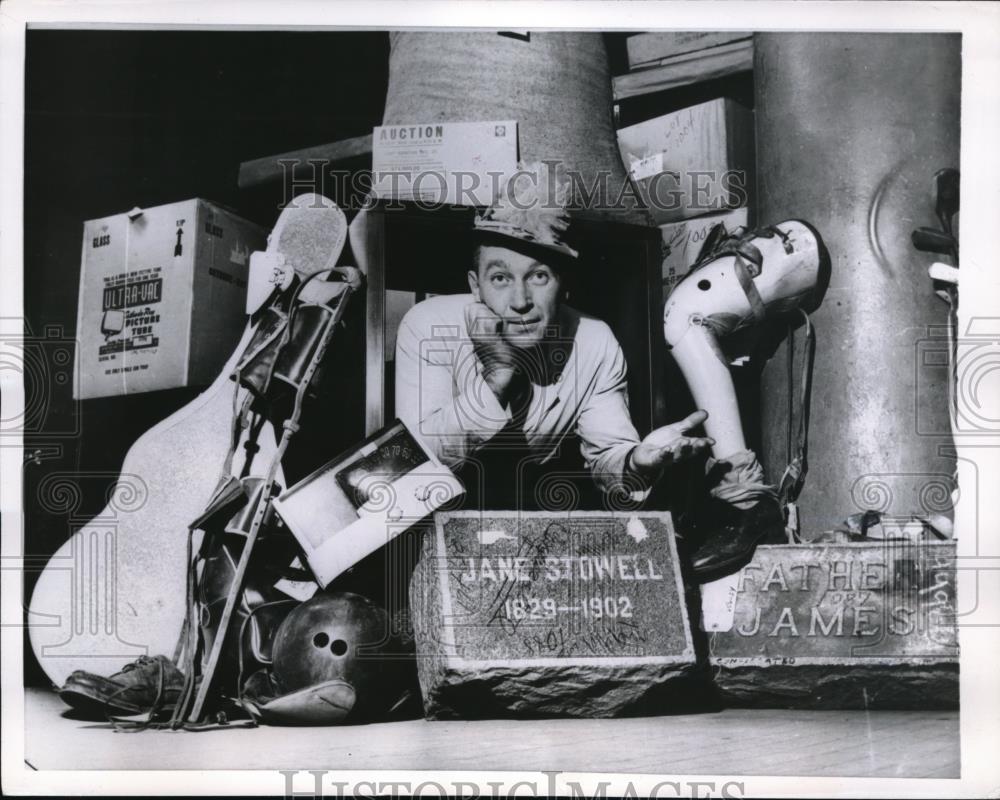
692 162
682 242
162 296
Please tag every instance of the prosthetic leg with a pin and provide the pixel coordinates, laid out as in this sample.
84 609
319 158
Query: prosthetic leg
737 283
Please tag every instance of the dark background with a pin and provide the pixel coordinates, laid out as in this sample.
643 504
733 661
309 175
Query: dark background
119 119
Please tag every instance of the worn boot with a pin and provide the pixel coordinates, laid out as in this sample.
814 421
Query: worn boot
730 535
741 512
145 684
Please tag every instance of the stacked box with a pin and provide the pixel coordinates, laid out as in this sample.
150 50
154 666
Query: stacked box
162 297
654 49
692 162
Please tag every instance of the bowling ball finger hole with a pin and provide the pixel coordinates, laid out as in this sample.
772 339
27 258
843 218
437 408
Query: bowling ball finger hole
704 285
339 647
321 640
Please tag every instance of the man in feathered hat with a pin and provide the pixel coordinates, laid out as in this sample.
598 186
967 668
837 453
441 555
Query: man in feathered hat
495 380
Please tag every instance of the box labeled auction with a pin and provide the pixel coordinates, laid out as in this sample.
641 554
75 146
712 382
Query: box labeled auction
162 297
458 163
692 162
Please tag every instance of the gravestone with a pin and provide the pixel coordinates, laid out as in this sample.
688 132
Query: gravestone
538 614
854 625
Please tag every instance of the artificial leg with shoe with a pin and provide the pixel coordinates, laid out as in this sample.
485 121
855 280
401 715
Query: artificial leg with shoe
737 282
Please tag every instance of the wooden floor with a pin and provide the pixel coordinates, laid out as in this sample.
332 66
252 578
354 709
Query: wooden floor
903 744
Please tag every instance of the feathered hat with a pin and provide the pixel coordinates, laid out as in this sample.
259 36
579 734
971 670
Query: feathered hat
531 208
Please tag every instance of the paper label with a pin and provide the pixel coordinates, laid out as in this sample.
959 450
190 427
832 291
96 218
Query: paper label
718 603
647 167
461 163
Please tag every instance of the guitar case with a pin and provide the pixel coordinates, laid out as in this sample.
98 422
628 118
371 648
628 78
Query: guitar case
116 589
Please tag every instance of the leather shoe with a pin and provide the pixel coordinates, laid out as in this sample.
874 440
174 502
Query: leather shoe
725 536
140 686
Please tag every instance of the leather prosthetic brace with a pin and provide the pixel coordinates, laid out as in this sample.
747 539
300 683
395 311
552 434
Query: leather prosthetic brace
237 609
283 357
737 283
285 341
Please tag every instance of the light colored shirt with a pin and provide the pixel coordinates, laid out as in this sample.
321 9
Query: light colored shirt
442 395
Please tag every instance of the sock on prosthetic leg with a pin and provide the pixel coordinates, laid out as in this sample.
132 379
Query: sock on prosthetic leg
739 480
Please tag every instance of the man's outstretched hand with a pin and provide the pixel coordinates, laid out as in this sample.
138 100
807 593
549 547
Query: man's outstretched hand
670 445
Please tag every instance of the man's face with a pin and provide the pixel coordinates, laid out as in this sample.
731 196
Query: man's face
524 292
